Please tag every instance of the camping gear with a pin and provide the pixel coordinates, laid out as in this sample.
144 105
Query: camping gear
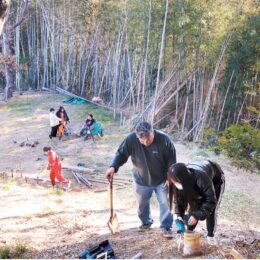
75 101
113 220
102 251
192 243
67 131
97 129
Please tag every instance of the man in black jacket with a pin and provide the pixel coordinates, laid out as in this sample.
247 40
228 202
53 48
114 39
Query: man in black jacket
152 152
197 188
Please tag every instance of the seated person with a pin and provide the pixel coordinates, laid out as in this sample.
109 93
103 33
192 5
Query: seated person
87 125
96 130
197 189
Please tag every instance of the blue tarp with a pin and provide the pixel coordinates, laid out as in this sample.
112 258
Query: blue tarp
75 101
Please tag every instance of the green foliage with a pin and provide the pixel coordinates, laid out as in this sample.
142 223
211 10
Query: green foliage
201 153
253 109
242 144
101 115
56 191
18 252
210 140
5 252
22 106
8 185
242 60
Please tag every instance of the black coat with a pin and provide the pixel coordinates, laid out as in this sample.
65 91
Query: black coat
150 162
207 178
89 122
66 118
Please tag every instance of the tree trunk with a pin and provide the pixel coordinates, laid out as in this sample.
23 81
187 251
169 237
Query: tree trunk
9 70
159 62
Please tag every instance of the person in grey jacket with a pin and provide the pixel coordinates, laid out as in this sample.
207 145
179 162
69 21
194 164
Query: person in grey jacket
152 152
197 189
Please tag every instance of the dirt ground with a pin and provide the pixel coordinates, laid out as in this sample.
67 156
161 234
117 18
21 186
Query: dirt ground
62 223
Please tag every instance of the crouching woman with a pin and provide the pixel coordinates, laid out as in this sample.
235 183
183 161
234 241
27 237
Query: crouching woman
197 190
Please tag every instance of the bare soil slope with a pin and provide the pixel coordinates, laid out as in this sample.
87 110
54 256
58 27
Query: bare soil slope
61 224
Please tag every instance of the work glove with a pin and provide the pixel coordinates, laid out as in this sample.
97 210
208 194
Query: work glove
180 226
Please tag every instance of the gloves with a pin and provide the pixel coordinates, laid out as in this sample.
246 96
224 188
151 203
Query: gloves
180 226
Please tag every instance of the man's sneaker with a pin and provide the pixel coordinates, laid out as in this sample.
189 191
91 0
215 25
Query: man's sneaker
211 241
167 232
144 227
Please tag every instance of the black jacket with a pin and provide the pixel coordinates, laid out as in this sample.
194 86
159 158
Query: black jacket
89 122
207 178
66 118
151 162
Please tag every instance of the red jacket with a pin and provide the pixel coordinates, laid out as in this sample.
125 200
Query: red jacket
54 161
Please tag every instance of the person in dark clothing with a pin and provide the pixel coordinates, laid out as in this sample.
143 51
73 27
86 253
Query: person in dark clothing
152 152
54 123
197 190
61 113
88 125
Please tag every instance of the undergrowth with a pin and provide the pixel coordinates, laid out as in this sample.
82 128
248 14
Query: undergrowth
241 143
17 252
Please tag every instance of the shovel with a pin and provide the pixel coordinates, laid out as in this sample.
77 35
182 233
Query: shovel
113 221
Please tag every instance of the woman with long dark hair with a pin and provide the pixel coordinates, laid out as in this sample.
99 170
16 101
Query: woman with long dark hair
62 114
197 190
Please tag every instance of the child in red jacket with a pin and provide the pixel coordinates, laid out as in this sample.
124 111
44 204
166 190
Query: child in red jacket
54 166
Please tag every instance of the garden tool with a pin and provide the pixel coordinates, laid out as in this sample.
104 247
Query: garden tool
113 221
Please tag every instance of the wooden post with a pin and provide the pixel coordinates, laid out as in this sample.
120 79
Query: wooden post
121 119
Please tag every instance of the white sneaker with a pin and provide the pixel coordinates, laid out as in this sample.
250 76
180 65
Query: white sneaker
212 241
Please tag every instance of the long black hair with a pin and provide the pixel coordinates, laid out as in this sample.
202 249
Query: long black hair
58 114
179 172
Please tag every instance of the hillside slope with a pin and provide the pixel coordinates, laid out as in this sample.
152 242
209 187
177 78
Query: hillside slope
61 224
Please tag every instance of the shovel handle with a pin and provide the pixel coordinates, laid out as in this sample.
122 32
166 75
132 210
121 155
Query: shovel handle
111 197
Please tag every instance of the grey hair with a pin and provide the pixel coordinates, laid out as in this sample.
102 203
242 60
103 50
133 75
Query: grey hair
143 129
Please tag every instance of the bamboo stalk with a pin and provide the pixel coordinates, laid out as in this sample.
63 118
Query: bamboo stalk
159 63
